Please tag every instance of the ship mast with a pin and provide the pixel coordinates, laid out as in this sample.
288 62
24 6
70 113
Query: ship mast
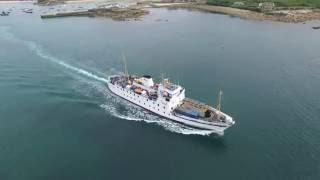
219 101
125 66
162 80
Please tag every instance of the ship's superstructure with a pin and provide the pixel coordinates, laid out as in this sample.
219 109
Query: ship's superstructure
168 100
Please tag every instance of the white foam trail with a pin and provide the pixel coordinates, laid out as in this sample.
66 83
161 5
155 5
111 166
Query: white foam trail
132 112
40 52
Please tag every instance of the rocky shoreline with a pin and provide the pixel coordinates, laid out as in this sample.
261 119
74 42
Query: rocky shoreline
134 9
288 16
117 14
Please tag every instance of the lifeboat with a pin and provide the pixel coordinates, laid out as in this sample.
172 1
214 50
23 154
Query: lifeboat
138 90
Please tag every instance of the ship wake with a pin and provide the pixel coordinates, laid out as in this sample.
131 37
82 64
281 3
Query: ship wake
113 105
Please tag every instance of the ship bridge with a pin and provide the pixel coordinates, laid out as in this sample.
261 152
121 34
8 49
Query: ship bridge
172 93
171 89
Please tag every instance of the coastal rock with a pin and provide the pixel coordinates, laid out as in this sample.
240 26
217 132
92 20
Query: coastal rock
115 13
50 2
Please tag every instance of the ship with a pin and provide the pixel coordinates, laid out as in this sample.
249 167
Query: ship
28 10
168 100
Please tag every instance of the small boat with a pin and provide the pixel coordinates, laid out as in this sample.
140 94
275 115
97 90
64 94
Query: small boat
3 13
28 10
316 27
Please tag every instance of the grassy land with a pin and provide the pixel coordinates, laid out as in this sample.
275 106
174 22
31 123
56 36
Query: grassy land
279 3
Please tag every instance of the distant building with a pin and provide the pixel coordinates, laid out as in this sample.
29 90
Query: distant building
176 1
167 1
266 6
238 4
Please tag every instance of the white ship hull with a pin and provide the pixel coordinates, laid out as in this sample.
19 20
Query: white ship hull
158 107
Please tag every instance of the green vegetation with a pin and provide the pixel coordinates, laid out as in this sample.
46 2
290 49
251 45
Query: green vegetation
288 3
254 3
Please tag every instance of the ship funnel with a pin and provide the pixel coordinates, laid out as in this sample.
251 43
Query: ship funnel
147 80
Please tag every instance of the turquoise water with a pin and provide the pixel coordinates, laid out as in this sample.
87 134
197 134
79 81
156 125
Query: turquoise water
58 121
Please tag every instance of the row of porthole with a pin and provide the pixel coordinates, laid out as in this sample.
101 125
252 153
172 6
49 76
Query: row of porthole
149 105
139 101
134 94
153 107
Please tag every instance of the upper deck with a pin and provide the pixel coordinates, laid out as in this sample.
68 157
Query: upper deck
146 83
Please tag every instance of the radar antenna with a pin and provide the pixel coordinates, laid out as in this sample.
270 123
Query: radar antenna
165 81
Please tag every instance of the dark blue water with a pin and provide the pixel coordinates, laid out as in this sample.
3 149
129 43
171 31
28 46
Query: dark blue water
58 121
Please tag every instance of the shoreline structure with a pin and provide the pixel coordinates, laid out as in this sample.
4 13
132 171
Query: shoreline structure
136 9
